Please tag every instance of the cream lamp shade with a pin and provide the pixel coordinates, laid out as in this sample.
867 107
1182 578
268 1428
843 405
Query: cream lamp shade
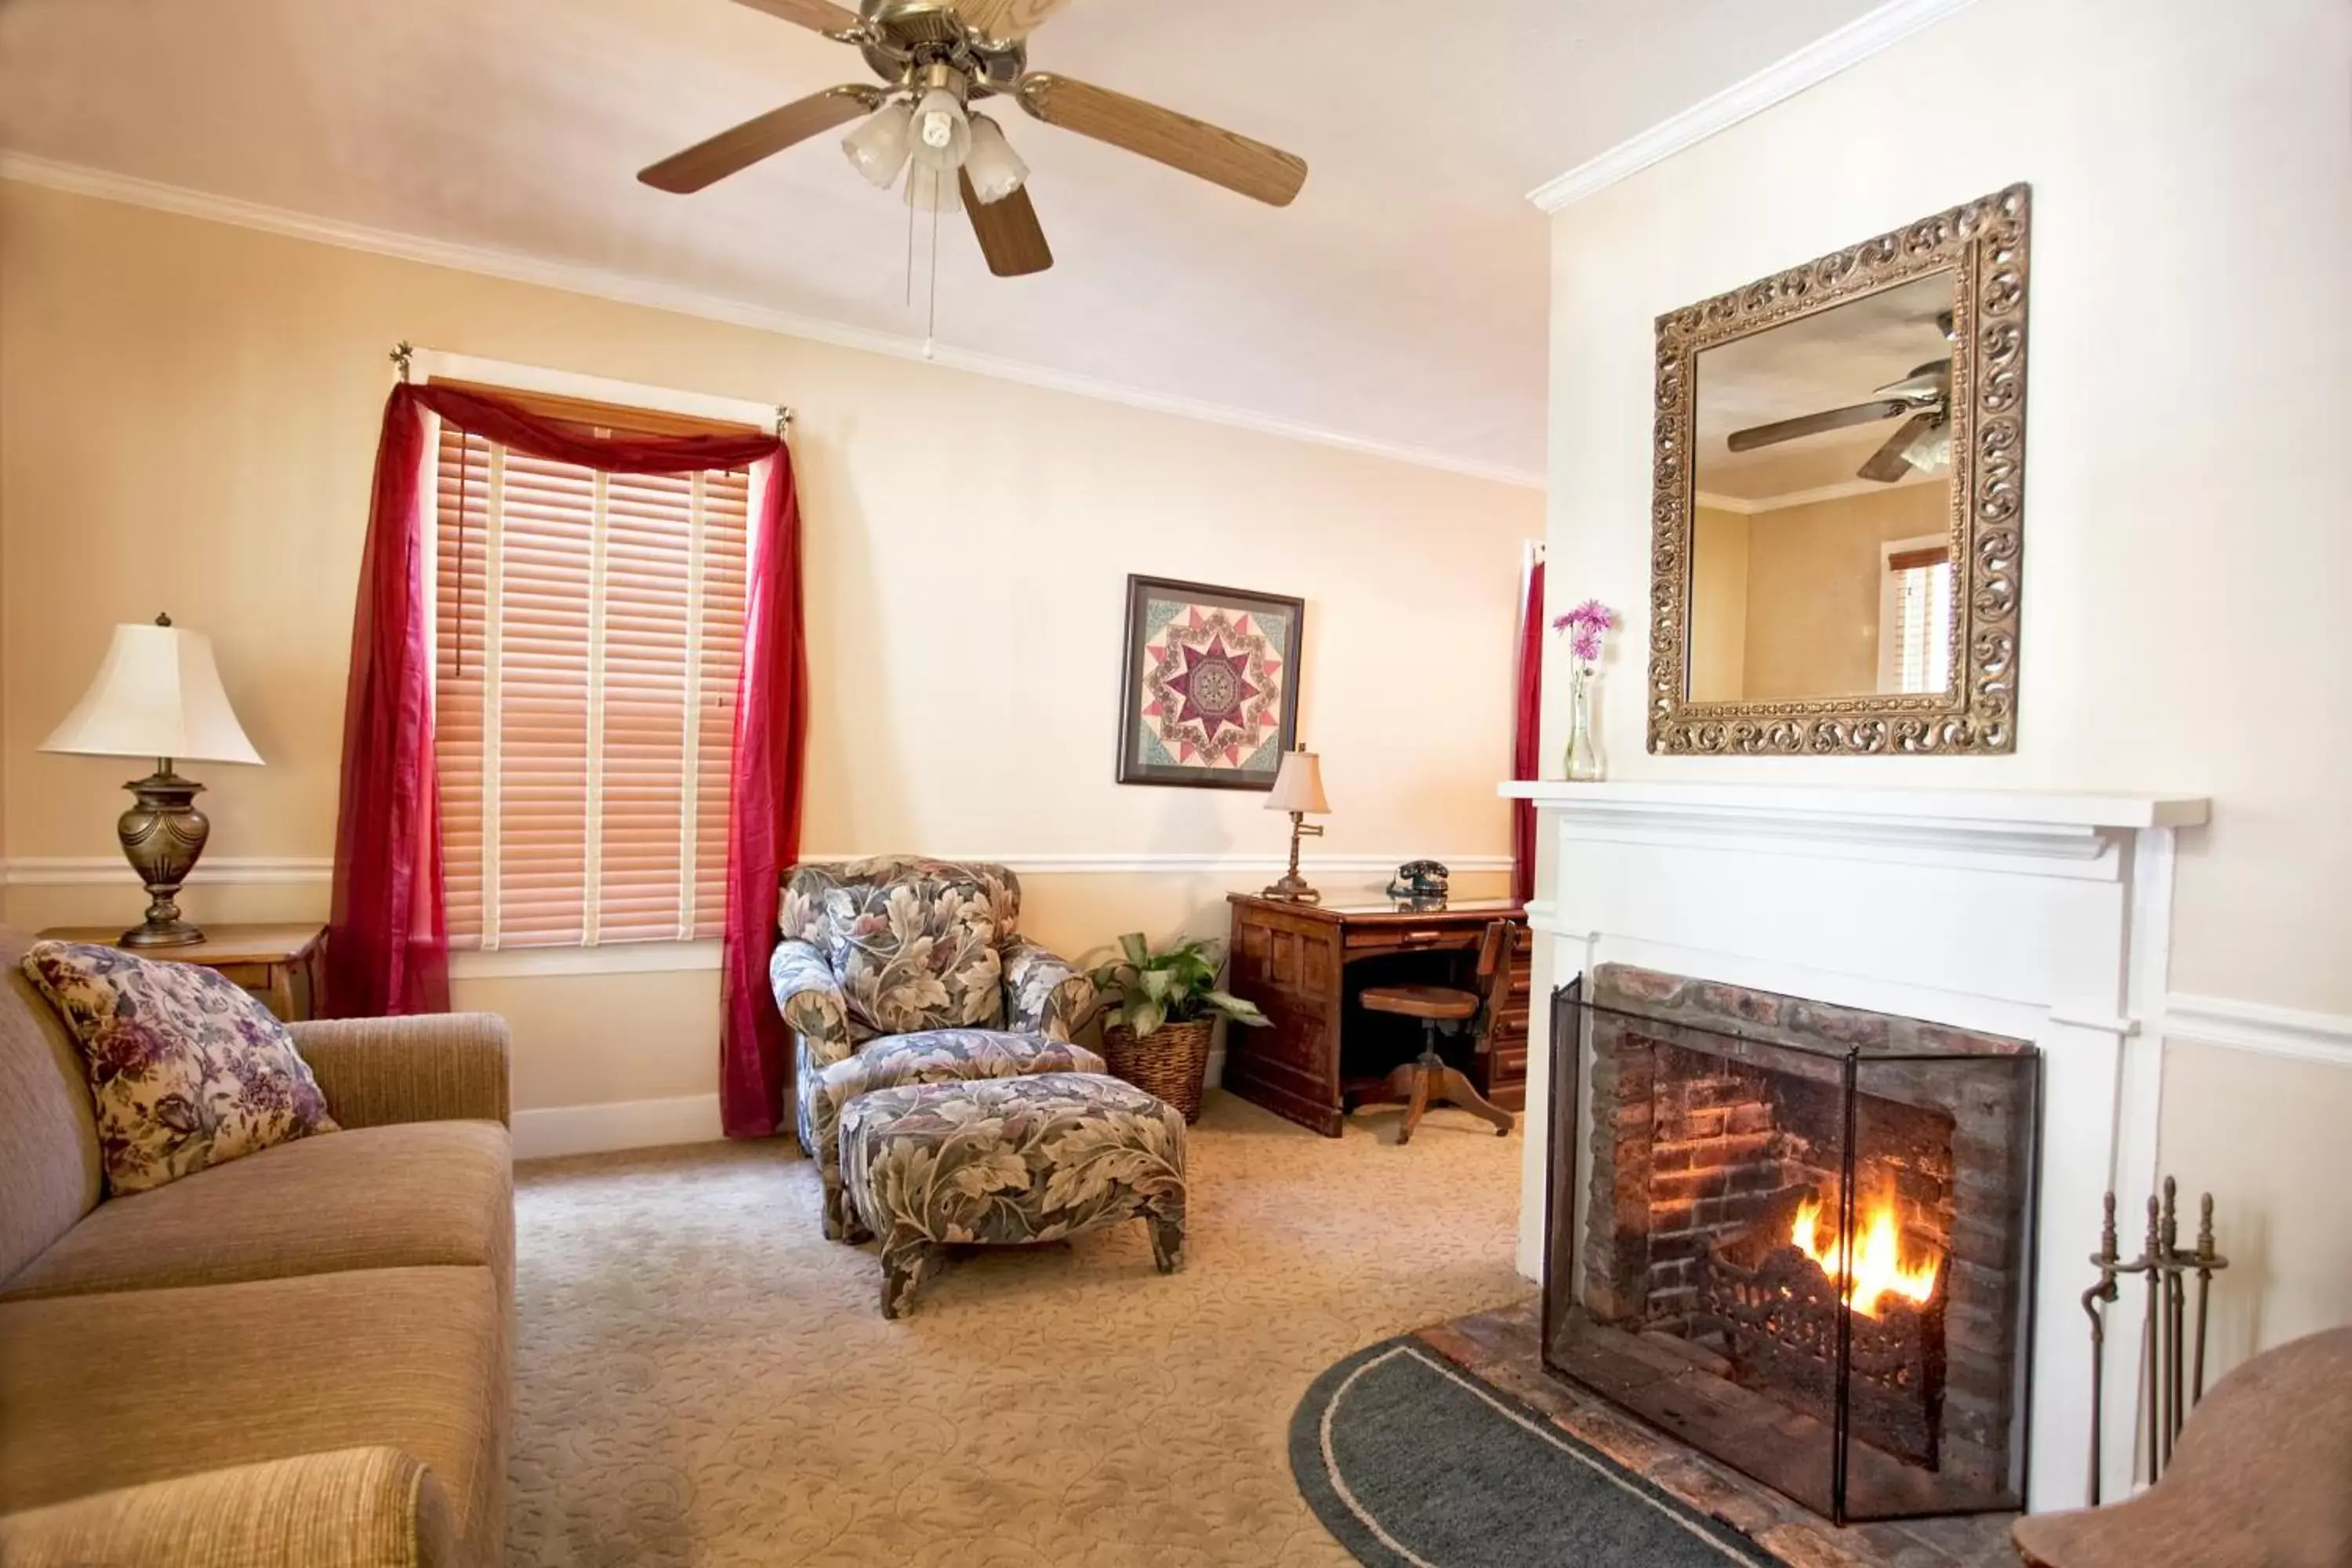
1298 785
157 695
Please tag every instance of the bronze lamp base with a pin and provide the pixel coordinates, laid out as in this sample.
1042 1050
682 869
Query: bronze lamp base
1292 887
161 837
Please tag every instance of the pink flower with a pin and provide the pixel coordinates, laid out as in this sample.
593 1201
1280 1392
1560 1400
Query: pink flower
1586 623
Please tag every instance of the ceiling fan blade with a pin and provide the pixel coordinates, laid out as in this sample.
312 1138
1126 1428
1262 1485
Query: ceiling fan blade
1757 436
1265 173
820 15
1929 383
1009 235
1889 463
1006 21
707 162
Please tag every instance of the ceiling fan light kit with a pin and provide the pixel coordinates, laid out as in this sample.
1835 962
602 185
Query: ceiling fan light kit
936 58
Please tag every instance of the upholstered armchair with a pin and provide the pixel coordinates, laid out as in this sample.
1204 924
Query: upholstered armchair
902 970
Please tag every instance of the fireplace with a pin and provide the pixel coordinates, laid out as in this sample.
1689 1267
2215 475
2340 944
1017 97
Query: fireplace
1806 1243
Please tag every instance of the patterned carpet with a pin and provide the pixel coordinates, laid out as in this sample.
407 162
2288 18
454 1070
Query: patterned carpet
702 1378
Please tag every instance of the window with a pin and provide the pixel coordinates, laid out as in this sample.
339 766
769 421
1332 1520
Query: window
588 632
1915 622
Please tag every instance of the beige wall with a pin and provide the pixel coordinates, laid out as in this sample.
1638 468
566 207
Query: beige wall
188 414
1718 604
2184 553
1813 577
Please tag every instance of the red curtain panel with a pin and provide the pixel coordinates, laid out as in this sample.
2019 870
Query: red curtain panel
388 951
1527 735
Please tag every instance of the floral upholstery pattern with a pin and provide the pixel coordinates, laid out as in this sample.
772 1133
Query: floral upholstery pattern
185 1069
1009 1161
912 942
1047 994
935 1056
873 950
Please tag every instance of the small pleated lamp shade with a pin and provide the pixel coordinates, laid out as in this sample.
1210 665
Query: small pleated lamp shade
1298 786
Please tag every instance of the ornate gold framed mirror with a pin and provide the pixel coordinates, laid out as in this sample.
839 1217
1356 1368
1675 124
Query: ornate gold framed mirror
1840 499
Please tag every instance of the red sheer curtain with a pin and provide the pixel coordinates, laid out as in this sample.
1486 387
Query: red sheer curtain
389 948
1527 735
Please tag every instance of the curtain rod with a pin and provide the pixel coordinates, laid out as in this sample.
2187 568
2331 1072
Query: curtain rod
403 356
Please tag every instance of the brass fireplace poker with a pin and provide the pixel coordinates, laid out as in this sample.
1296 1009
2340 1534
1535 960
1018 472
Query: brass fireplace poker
2166 1264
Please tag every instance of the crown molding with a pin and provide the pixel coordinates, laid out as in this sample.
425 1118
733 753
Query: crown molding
572 278
1746 506
1818 61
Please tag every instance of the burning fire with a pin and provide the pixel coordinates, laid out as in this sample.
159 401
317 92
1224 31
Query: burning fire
1879 1268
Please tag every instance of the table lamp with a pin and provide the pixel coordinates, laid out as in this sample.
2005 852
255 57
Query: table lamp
158 695
1298 789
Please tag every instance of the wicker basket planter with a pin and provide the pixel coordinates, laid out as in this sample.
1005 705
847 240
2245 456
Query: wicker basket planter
1170 1063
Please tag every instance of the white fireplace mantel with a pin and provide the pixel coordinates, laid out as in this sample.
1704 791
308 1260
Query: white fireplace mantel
2039 914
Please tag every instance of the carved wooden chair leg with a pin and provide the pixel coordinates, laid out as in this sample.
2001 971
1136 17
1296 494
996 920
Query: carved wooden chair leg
1461 1092
1416 1099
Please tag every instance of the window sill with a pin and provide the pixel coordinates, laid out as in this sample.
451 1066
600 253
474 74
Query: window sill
620 958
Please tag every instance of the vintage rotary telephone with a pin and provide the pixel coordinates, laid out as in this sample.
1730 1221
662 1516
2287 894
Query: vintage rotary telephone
1420 882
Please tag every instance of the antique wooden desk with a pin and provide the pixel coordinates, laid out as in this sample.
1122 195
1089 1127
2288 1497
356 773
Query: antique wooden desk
1303 965
284 965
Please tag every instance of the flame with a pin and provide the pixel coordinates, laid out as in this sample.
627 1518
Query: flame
1879 1268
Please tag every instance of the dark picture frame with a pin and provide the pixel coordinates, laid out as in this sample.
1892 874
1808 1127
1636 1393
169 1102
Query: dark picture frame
1232 674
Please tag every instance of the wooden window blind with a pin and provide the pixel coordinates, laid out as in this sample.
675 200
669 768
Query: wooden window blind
1923 618
588 634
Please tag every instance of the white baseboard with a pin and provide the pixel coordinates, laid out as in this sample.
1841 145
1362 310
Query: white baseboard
622 1124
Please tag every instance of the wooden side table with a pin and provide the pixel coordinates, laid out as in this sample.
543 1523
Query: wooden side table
284 965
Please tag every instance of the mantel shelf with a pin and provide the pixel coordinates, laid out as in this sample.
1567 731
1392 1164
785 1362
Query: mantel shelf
2040 808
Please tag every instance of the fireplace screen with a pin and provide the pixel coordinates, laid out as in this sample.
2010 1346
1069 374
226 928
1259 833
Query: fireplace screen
1805 1243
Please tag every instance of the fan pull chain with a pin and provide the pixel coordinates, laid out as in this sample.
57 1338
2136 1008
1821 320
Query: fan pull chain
931 326
910 239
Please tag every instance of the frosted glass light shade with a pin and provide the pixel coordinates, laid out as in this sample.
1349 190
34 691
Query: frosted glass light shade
943 131
1298 786
878 146
996 169
157 695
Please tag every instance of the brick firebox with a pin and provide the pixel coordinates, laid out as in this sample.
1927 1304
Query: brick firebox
1713 1111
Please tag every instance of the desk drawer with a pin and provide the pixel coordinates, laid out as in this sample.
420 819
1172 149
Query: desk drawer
1367 940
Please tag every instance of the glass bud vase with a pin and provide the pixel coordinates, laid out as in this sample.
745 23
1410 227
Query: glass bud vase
1584 764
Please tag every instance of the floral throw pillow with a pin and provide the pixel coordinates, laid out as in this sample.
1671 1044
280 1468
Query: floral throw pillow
186 1069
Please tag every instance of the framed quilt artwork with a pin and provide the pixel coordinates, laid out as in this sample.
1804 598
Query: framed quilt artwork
1209 685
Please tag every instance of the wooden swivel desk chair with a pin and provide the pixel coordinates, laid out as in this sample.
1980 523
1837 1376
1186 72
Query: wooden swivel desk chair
1443 1009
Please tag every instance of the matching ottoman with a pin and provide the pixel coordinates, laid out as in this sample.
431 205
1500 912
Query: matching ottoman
931 1056
1006 1161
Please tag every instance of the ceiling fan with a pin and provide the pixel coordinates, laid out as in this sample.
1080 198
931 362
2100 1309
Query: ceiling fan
937 58
1923 442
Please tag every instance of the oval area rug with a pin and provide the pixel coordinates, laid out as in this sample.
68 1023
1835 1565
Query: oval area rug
1411 1463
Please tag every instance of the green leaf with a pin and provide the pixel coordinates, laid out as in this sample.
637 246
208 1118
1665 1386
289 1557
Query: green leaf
1144 1016
1138 950
1238 1009
1156 983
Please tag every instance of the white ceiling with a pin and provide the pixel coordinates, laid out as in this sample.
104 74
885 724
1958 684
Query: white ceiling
1402 301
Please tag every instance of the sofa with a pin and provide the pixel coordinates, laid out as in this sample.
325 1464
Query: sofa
301 1356
900 969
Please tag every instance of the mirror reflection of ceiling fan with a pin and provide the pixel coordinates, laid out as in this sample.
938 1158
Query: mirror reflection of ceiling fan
1924 441
936 60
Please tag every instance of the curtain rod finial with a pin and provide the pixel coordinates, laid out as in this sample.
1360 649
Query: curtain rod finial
783 421
400 355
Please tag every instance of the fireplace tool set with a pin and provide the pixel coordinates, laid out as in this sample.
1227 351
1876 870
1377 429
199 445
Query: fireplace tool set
2167 1266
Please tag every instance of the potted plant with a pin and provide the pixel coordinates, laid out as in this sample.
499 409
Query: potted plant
1164 1006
